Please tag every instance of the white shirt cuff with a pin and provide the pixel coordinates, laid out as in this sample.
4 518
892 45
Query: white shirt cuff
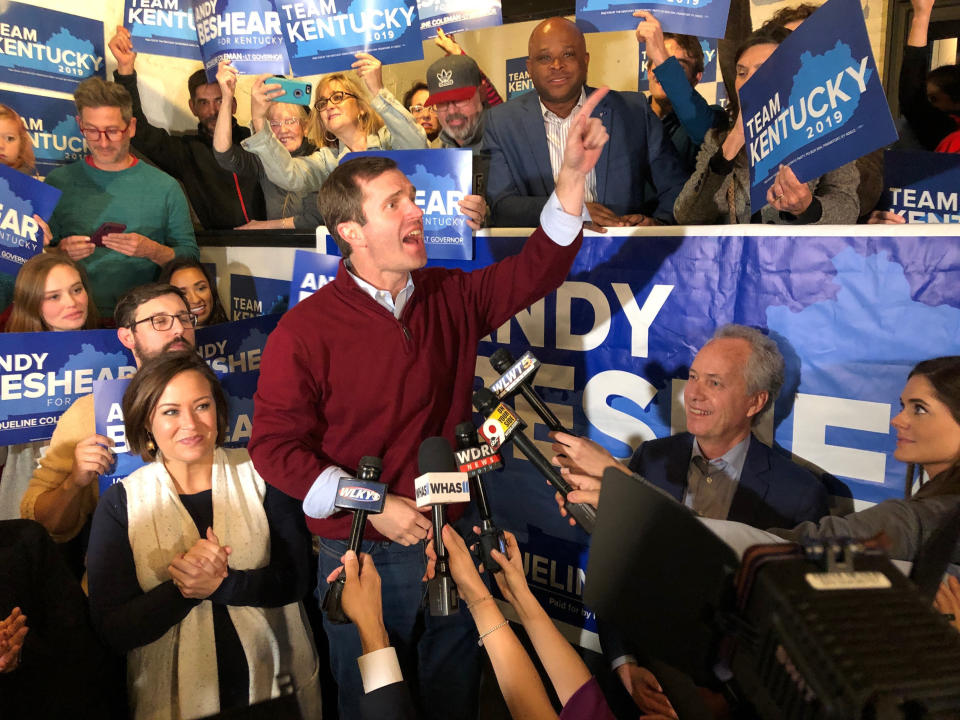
379 668
559 225
622 660
320 499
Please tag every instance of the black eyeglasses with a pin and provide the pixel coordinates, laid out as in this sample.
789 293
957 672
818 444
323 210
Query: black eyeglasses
335 99
164 321
113 134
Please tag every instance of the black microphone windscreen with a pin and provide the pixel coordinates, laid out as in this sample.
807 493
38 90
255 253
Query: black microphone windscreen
485 400
501 359
436 455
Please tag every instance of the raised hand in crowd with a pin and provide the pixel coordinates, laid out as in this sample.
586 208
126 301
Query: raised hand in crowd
650 33
585 141
134 244
121 45
885 217
13 631
92 458
45 229
447 43
947 600
77 246
223 130
261 93
198 572
920 23
401 521
475 208
370 71
787 194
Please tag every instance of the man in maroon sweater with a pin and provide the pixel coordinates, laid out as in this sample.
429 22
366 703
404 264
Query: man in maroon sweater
380 359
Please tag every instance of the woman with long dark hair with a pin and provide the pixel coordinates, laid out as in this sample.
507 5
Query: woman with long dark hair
192 278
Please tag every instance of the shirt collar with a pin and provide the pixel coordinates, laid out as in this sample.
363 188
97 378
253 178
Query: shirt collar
731 462
383 297
550 116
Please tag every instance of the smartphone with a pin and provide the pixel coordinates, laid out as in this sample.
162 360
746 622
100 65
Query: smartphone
108 227
295 91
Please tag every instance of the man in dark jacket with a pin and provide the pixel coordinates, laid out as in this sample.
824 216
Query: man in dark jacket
220 199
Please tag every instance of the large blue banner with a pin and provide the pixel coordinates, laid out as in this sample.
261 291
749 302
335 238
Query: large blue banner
244 31
48 49
311 271
817 102
21 196
709 47
162 28
322 35
704 18
52 126
456 15
42 373
921 186
252 296
442 178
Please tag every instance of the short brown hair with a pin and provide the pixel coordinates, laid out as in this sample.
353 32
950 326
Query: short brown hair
144 391
369 119
96 92
196 80
25 161
691 46
30 288
341 196
125 314
790 14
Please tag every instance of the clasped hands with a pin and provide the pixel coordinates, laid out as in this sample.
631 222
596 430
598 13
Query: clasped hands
198 572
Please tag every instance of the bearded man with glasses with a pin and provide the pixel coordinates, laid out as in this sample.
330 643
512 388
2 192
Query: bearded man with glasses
149 223
151 320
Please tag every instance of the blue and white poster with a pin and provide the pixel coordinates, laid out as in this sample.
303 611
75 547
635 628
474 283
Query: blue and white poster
709 47
311 271
52 126
817 102
244 31
21 196
162 27
252 296
235 347
457 15
518 79
42 373
703 18
923 187
48 49
442 178
322 36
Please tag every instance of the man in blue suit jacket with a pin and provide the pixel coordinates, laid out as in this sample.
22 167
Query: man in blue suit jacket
524 156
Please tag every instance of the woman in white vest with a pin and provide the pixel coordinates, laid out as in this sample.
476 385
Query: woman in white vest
195 566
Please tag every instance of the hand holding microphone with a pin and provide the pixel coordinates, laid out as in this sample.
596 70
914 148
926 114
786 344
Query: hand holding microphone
476 458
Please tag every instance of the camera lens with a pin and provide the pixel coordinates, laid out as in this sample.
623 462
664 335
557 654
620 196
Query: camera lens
297 93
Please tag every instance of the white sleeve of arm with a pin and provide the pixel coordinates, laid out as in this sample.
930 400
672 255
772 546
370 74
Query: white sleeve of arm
559 225
379 668
320 499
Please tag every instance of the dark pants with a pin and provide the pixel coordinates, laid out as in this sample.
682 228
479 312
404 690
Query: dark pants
439 656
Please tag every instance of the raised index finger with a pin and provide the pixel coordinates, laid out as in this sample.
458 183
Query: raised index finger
591 104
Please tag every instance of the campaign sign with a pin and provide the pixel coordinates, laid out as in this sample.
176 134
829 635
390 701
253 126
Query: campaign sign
311 271
922 186
322 36
48 49
518 79
253 296
21 196
235 347
456 16
709 47
52 126
442 178
703 18
42 373
162 27
244 31
817 102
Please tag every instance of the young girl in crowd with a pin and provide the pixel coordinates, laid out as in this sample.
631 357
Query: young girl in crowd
191 276
195 566
51 293
288 122
343 120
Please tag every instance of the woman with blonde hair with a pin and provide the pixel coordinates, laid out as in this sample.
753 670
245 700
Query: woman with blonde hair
343 120
51 293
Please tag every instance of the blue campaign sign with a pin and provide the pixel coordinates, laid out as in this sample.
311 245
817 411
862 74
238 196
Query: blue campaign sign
253 296
709 47
42 373
244 31
442 178
22 196
703 18
456 16
922 186
311 271
817 102
48 49
322 35
518 79
162 27
235 347
52 126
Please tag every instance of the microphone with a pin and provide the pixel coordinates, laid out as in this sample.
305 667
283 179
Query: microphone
503 424
518 376
476 458
439 484
365 496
